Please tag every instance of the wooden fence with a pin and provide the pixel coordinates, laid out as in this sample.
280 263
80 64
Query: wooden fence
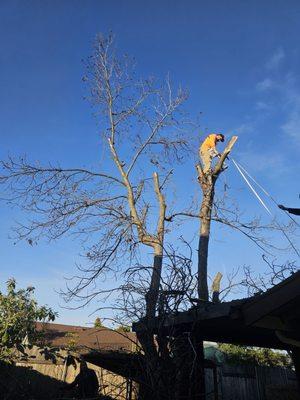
40 377
41 374
242 382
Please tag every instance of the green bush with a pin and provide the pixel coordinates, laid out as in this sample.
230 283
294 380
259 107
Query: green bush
19 313
257 356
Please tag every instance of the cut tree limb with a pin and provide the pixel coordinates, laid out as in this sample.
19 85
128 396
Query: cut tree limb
216 287
219 166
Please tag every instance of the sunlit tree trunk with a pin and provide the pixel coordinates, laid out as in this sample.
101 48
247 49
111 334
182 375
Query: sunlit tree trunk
207 182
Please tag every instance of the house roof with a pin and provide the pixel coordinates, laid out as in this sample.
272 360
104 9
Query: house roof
60 335
254 321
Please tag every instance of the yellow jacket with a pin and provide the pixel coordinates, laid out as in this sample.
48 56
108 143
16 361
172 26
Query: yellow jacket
209 143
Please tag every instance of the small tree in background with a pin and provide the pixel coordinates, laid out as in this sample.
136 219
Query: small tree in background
123 329
98 323
19 312
72 341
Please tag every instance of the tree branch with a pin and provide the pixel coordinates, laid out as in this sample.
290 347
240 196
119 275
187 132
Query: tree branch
219 166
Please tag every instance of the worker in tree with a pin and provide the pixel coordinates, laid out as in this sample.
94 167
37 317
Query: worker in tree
208 150
295 211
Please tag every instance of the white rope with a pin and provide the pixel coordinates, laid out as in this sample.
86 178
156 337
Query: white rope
266 193
251 187
239 168
251 177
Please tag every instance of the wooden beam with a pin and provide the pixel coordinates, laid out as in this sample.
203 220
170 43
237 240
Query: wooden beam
272 300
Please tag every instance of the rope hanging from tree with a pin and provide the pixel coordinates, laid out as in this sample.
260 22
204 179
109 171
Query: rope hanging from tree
243 172
264 190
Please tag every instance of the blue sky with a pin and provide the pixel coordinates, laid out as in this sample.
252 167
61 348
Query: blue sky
239 60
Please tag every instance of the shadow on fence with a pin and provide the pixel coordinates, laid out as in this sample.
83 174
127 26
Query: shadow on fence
238 382
18 383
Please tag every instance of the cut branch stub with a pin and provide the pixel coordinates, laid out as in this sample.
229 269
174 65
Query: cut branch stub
216 287
219 166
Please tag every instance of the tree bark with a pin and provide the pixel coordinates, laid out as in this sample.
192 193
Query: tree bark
215 288
207 182
152 295
205 218
157 244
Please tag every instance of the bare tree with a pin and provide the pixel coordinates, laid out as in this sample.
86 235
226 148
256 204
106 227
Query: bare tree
142 130
122 207
275 273
114 204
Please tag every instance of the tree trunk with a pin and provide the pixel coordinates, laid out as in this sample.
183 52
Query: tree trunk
198 384
189 378
205 218
207 181
153 386
152 295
